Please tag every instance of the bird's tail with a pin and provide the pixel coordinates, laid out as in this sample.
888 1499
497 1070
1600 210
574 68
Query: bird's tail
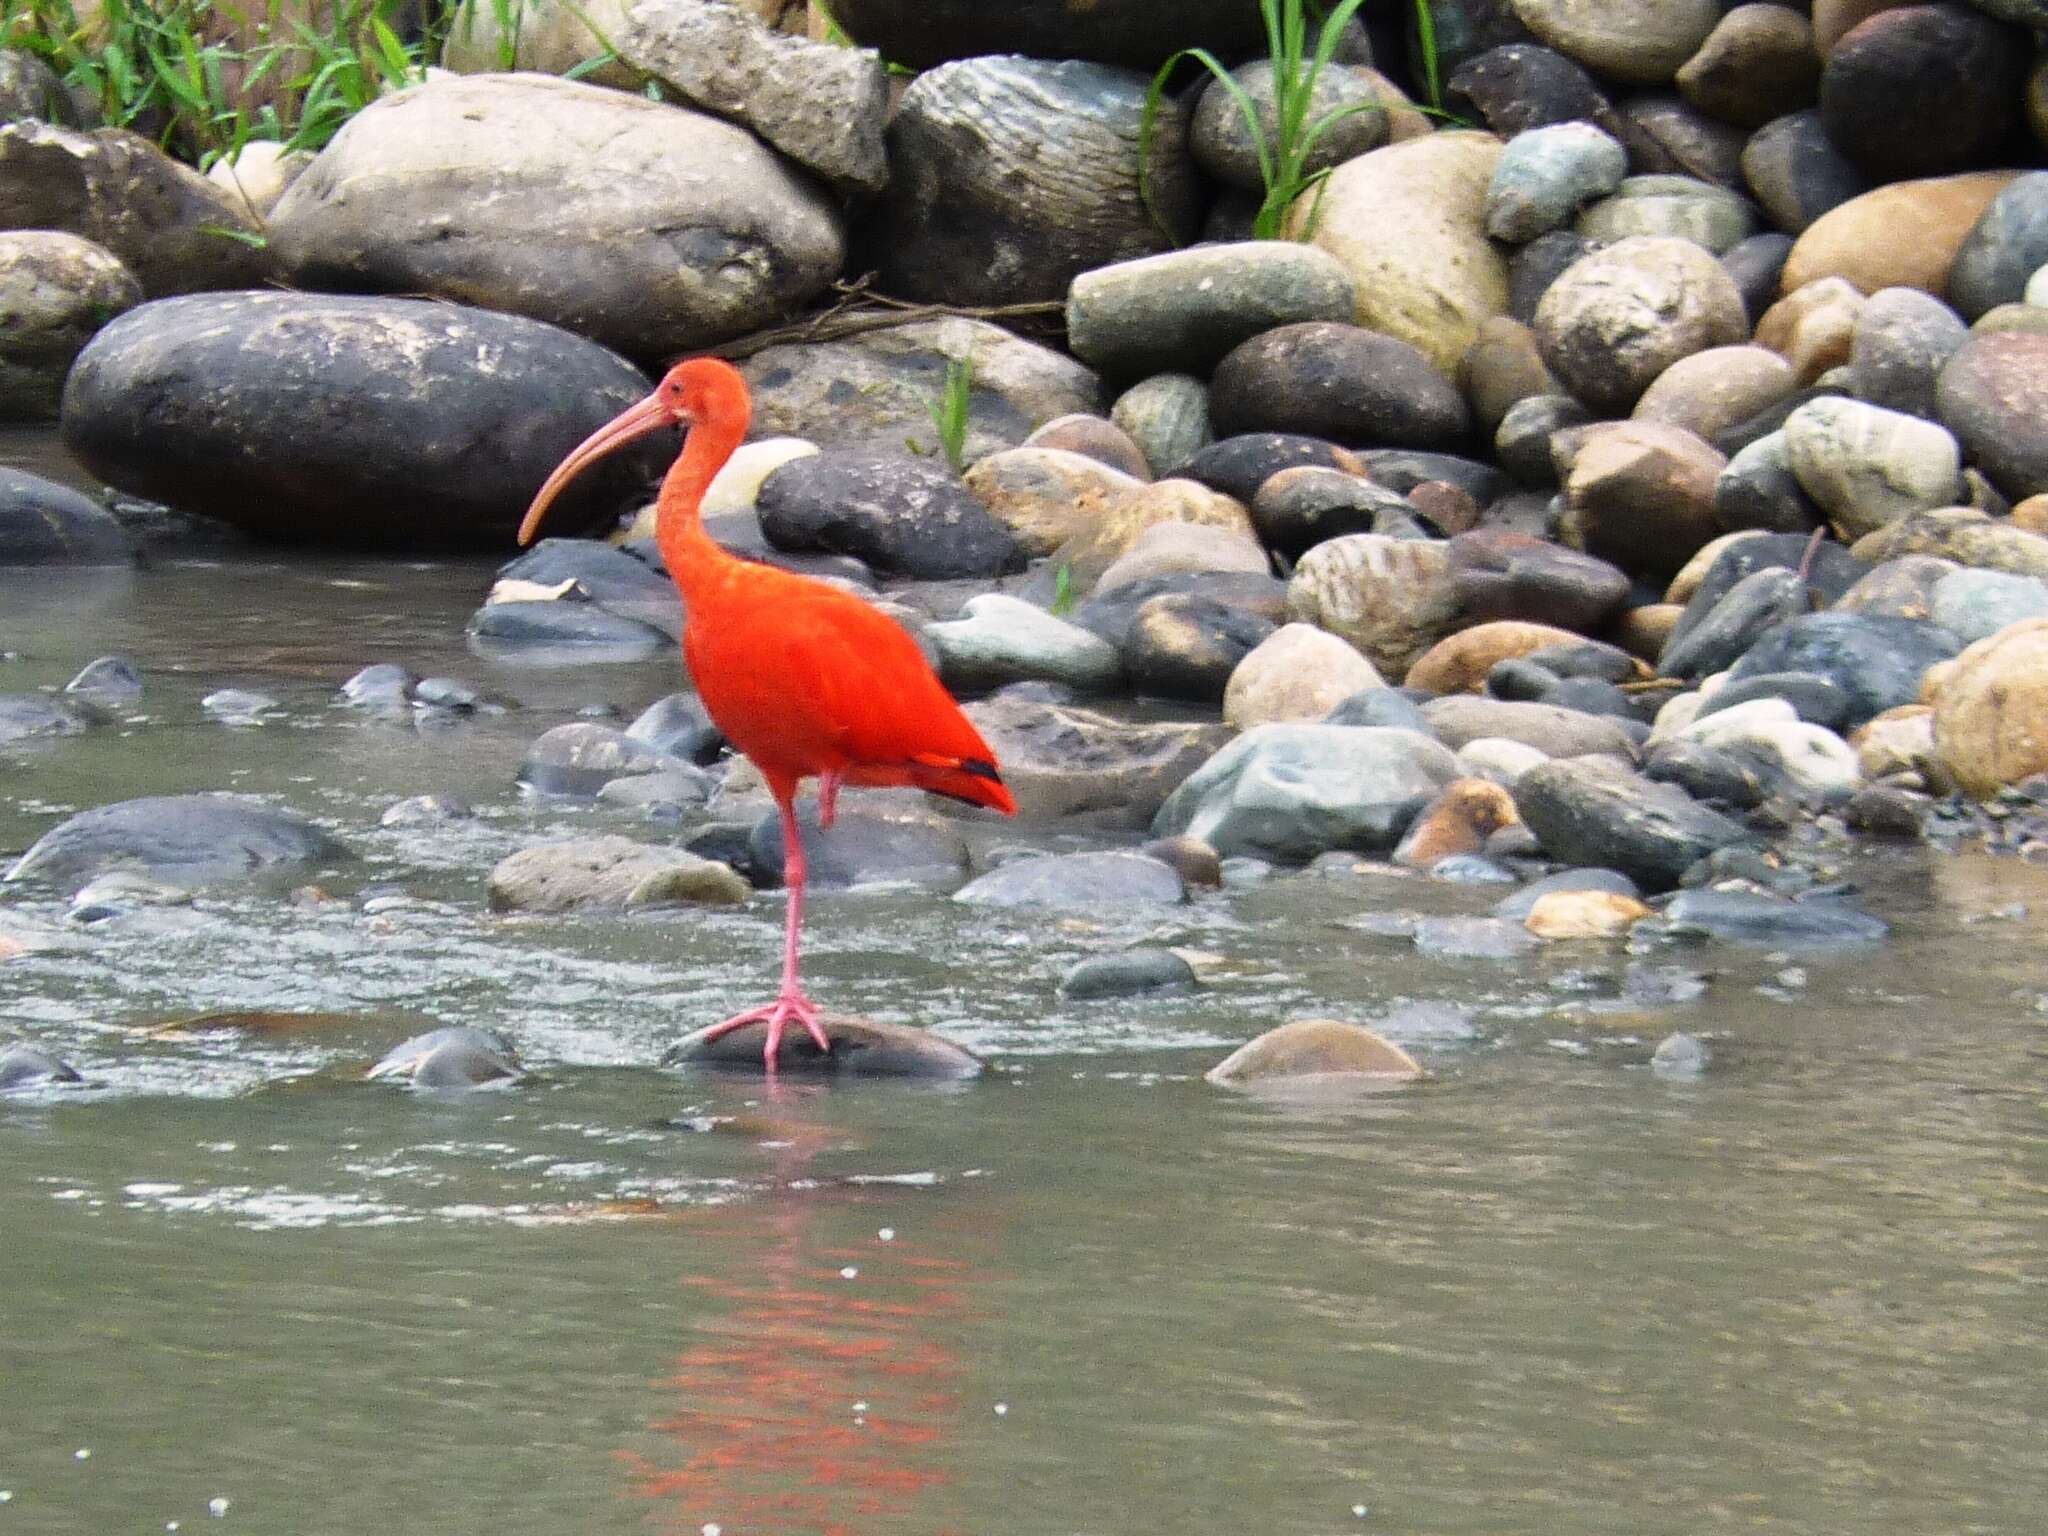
973 779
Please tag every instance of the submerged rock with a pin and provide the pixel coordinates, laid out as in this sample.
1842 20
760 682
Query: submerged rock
23 1069
1750 917
189 840
580 758
860 1048
34 717
864 848
451 1059
1146 969
44 523
1305 1050
1077 880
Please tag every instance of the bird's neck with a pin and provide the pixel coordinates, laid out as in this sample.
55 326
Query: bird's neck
692 556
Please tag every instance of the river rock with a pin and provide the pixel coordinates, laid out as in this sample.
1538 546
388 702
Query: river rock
1795 171
451 1060
35 717
1618 318
1755 266
1715 633
893 846
1552 729
1460 663
1192 509
1758 490
874 392
44 523
1644 44
1458 821
1865 466
172 228
898 514
2004 249
1976 604
1292 790
1922 90
1314 1054
860 1048
1597 812
551 630
1877 662
1167 416
1497 573
1093 437
1129 32
1298 672
1642 496
187 840
1391 598
1408 221
580 758
1756 65
56 290
1667 135
593 872
1991 710
1299 508
29 88
1963 535
1813 328
1810 757
1546 175
1001 639
1752 917
1504 367
1722 387
1223 144
1046 496
1239 466
1011 176
1993 394
1905 235
1902 339
108 681
1831 569
438 423
1145 969
822 105
572 196
1187 647
1517 906
1671 207
1175 548
1338 382
1077 881
1518 86
24 1069
1062 761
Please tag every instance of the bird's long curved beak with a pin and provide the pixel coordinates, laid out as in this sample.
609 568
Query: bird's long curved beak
649 416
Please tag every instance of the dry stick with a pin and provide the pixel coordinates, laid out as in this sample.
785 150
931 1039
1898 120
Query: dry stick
1805 571
857 311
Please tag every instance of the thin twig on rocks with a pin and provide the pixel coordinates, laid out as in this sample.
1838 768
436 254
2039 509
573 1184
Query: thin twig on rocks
856 309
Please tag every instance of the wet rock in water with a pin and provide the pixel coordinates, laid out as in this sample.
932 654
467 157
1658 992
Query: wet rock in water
438 422
1884 812
1061 761
678 724
1595 811
1002 639
872 393
1552 729
545 629
1228 147
1187 647
864 848
1195 859
189 840
1877 662
171 227
1608 882
1680 1055
1146 969
240 706
1546 175
56 290
1751 917
1313 1052
1293 790
1298 672
1167 416
1339 382
664 792
1076 880
1010 176
580 758
44 523
898 514
1977 604
451 1059
598 872
1408 221
641 225
860 1047
1391 598
23 1069
426 811
1991 710
1993 394
383 687
1182 311
1618 318
1923 90
1471 938
110 681
35 717
822 105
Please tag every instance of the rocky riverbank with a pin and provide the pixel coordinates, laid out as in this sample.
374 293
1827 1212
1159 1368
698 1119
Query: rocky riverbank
1629 484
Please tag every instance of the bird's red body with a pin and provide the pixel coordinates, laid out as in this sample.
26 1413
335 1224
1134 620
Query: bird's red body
806 680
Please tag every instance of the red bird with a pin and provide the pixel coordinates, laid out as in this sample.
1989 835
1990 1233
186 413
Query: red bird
806 680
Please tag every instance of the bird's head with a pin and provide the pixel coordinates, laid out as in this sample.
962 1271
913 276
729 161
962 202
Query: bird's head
704 391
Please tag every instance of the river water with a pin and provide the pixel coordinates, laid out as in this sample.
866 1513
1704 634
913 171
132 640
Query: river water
1546 1290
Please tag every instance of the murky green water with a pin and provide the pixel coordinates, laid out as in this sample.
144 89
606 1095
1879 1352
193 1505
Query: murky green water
1548 1290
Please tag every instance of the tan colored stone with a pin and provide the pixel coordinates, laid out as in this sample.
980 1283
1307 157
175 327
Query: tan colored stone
1173 548
1459 820
1503 366
1116 531
1991 710
1812 327
1644 632
1408 220
1314 1049
1584 915
1392 598
1961 534
1047 496
1298 672
1904 235
1459 663
1405 120
1716 389
1900 740
1641 495
2031 515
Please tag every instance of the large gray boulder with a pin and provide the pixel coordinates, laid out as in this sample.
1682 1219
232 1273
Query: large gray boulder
1292 790
44 523
363 421
649 227
188 840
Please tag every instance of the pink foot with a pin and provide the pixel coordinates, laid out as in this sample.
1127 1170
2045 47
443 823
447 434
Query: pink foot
789 1005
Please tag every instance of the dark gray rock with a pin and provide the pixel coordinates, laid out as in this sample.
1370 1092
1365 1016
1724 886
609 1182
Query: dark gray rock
1772 922
1238 466
863 848
1522 441
1756 266
1590 696
678 725
1706 773
1594 811
1519 904
1680 1055
1797 173
1993 394
1903 338
1877 662
591 632
1833 570
1712 635
29 88
1145 969
898 514
1924 90
35 717
1817 699
1553 729
109 681
24 1069
1108 615
435 423
1224 144
1520 86
1297 509
1498 573
382 688
1338 382
579 759
1134 33
2008 244
1185 647
860 1048
1757 489
1390 708
188 840
452 1059
1066 762
1077 880
1539 264
44 523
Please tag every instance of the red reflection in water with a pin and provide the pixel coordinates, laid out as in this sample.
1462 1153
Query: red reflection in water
770 1427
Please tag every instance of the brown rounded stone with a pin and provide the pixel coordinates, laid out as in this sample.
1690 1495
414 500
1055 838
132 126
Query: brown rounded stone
1993 394
1991 710
1833 20
1615 320
1644 631
1757 64
1813 328
1584 915
1459 663
1905 235
1642 495
1459 820
1095 437
1716 389
2032 514
1391 598
1503 366
1309 1049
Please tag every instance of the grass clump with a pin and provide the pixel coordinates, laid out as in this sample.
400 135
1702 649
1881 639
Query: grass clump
949 411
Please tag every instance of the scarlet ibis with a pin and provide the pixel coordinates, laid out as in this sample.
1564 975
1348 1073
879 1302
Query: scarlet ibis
805 679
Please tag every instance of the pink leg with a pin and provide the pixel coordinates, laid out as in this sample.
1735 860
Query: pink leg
828 799
791 1002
